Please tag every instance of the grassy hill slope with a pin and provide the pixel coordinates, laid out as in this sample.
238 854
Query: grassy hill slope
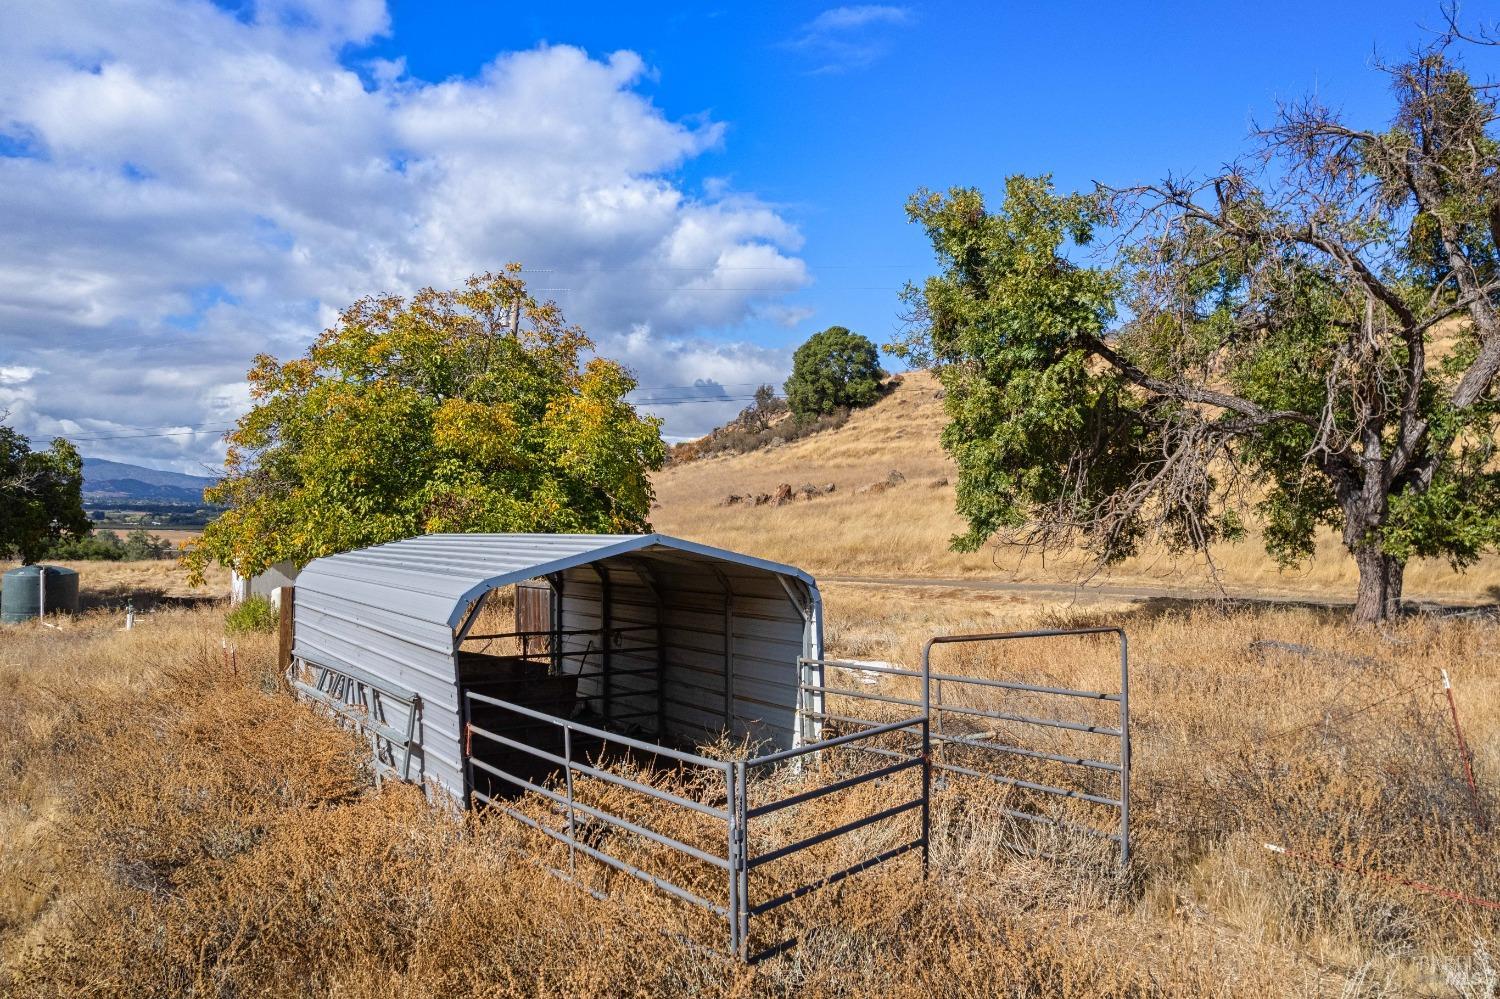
904 530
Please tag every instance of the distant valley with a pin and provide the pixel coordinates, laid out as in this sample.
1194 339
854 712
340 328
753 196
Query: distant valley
116 483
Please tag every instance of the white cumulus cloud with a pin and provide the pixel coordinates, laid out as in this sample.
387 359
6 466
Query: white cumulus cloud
183 187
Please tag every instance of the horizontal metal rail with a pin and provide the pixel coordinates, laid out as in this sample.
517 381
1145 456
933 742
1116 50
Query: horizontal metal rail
976 713
1061 792
817 747
569 633
862 695
979 681
1028 720
604 775
631 715
834 878
847 719
599 733
842 785
582 655
574 804
1036 754
655 881
823 837
632 693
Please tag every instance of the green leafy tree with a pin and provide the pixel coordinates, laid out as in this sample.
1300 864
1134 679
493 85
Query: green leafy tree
41 496
139 545
100 546
464 410
834 369
1311 339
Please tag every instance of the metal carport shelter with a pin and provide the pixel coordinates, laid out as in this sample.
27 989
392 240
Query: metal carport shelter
671 638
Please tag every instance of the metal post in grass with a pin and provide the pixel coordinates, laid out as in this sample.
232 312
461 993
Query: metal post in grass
732 907
1463 755
285 627
468 713
742 811
927 756
1124 749
926 797
568 777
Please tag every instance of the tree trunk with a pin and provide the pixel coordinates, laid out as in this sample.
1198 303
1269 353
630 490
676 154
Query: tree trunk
1380 578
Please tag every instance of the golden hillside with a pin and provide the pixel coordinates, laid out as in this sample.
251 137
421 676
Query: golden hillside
904 530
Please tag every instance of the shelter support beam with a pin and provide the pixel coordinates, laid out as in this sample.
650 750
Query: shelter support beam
728 651
606 624
653 585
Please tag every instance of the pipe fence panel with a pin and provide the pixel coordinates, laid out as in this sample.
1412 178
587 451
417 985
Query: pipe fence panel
749 833
742 851
975 740
912 758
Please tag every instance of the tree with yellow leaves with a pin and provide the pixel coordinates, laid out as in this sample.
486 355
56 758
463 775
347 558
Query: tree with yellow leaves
470 410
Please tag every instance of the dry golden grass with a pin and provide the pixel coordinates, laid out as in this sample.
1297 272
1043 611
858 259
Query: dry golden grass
147 584
172 825
904 531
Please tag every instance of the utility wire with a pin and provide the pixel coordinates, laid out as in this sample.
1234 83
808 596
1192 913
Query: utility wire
131 437
192 431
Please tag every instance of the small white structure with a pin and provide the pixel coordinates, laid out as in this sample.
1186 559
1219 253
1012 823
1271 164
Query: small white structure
267 584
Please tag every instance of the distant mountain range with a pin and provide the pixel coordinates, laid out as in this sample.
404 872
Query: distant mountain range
114 481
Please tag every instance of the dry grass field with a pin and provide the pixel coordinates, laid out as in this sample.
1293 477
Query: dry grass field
174 824
904 531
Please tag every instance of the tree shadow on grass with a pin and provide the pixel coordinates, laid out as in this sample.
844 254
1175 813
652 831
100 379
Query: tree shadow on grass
142 598
1147 609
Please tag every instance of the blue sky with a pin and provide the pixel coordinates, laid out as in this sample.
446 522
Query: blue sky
838 125
188 183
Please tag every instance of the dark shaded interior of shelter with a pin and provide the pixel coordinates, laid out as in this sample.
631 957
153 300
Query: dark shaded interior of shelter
660 649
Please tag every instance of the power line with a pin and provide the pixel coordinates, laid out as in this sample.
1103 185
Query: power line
171 430
685 402
132 437
191 432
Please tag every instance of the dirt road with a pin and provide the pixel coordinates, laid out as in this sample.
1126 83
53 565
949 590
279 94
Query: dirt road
1092 593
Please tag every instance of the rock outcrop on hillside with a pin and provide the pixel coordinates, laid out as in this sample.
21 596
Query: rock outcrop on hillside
783 495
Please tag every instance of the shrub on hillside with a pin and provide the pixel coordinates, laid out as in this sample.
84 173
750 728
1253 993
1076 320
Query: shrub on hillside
765 410
835 369
733 438
251 615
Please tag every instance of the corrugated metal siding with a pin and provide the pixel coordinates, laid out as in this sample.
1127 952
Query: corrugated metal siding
404 654
391 611
632 606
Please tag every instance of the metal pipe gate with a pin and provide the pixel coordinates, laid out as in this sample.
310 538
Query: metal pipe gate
734 817
913 743
816 689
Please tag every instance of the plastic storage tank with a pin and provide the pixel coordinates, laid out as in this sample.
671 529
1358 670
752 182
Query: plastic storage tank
35 589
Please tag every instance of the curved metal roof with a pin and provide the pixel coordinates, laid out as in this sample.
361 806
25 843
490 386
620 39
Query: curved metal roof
435 576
